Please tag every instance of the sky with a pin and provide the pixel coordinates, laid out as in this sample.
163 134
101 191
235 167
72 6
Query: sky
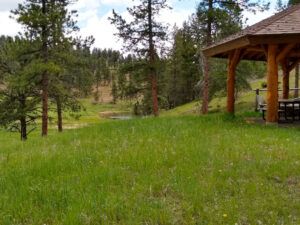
93 17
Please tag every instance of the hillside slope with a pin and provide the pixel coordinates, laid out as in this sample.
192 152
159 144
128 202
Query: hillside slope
245 101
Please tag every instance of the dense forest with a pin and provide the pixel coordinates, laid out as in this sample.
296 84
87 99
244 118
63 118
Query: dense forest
48 68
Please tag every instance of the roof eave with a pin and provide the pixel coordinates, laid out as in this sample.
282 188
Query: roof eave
249 40
227 46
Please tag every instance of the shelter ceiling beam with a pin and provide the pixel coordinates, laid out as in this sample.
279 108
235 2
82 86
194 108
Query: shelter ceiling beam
265 49
284 52
294 64
295 54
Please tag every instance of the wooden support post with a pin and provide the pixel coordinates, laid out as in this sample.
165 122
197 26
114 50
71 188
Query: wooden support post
285 79
272 80
233 61
296 94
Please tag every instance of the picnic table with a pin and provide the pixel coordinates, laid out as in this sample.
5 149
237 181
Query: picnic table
289 106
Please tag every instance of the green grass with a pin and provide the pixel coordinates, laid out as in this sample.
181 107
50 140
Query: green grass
169 170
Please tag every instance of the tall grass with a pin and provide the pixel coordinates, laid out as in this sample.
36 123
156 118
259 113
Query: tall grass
169 170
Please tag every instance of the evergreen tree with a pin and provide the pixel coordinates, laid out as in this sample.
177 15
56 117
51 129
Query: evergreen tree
19 95
182 72
114 92
48 22
143 35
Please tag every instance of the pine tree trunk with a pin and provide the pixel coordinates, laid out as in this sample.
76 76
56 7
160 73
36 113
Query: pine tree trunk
45 104
206 62
152 61
23 128
23 124
154 93
206 86
59 114
296 81
174 87
44 77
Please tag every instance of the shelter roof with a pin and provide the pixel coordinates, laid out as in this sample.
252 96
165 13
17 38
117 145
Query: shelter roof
282 28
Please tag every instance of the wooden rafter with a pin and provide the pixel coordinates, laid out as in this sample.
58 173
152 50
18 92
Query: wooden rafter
293 65
284 52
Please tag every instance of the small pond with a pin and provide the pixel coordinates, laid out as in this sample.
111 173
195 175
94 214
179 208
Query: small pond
120 117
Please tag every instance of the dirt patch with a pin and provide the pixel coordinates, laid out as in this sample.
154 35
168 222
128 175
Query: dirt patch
107 113
71 126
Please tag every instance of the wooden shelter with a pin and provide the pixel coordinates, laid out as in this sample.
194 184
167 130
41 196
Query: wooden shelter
275 40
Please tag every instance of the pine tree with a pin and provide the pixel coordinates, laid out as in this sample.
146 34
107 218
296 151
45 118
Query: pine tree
114 92
143 35
19 93
182 70
47 22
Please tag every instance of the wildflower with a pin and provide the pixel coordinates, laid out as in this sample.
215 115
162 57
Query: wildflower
101 162
224 215
220 171
261 184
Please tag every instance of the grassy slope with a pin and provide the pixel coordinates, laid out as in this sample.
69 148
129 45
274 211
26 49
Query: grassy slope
168 170
245 101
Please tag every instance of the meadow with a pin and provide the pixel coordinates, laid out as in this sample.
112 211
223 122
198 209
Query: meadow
185 169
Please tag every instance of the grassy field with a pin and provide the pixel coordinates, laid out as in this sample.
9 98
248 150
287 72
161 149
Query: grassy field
169 170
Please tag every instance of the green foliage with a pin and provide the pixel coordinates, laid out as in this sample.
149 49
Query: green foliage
145 36
45 20
293 2
218 19
19 95
182 68
114 92
49 24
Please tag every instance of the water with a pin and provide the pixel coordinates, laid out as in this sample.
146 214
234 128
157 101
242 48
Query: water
120 117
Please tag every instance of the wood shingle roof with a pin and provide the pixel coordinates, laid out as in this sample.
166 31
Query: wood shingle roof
283 27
